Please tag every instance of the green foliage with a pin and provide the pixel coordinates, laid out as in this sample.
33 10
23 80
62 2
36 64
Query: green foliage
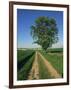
55 50
24 63
22 54
23 57
44 31
24 71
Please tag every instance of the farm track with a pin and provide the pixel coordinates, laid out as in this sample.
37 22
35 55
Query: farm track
34 73
49 67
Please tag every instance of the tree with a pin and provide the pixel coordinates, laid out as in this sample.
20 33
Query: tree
44 31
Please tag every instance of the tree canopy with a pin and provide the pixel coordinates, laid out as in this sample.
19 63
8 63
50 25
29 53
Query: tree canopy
44 31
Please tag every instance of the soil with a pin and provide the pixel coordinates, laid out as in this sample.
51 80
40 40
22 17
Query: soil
34 73
53 72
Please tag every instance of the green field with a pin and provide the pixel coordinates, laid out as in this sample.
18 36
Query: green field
55 50
55 58
24 63
25 59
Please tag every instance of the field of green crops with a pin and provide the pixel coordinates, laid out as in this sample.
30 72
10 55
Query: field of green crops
55 50
25 59
55 57
24 63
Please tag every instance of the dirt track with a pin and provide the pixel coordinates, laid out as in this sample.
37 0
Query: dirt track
34 73
49 67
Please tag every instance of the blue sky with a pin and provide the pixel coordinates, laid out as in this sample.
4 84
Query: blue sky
26 18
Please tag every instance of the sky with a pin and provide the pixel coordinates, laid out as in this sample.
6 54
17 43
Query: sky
26 18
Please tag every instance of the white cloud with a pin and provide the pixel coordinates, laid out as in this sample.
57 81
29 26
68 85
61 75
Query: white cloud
32 46
58 45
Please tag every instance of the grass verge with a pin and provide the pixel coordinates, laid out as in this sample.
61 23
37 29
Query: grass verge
56 61
23 73
43 72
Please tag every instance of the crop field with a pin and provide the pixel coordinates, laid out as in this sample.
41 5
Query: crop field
56 59
24 64
38 64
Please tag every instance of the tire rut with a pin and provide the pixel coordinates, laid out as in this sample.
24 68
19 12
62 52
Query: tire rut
34 73
53 72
